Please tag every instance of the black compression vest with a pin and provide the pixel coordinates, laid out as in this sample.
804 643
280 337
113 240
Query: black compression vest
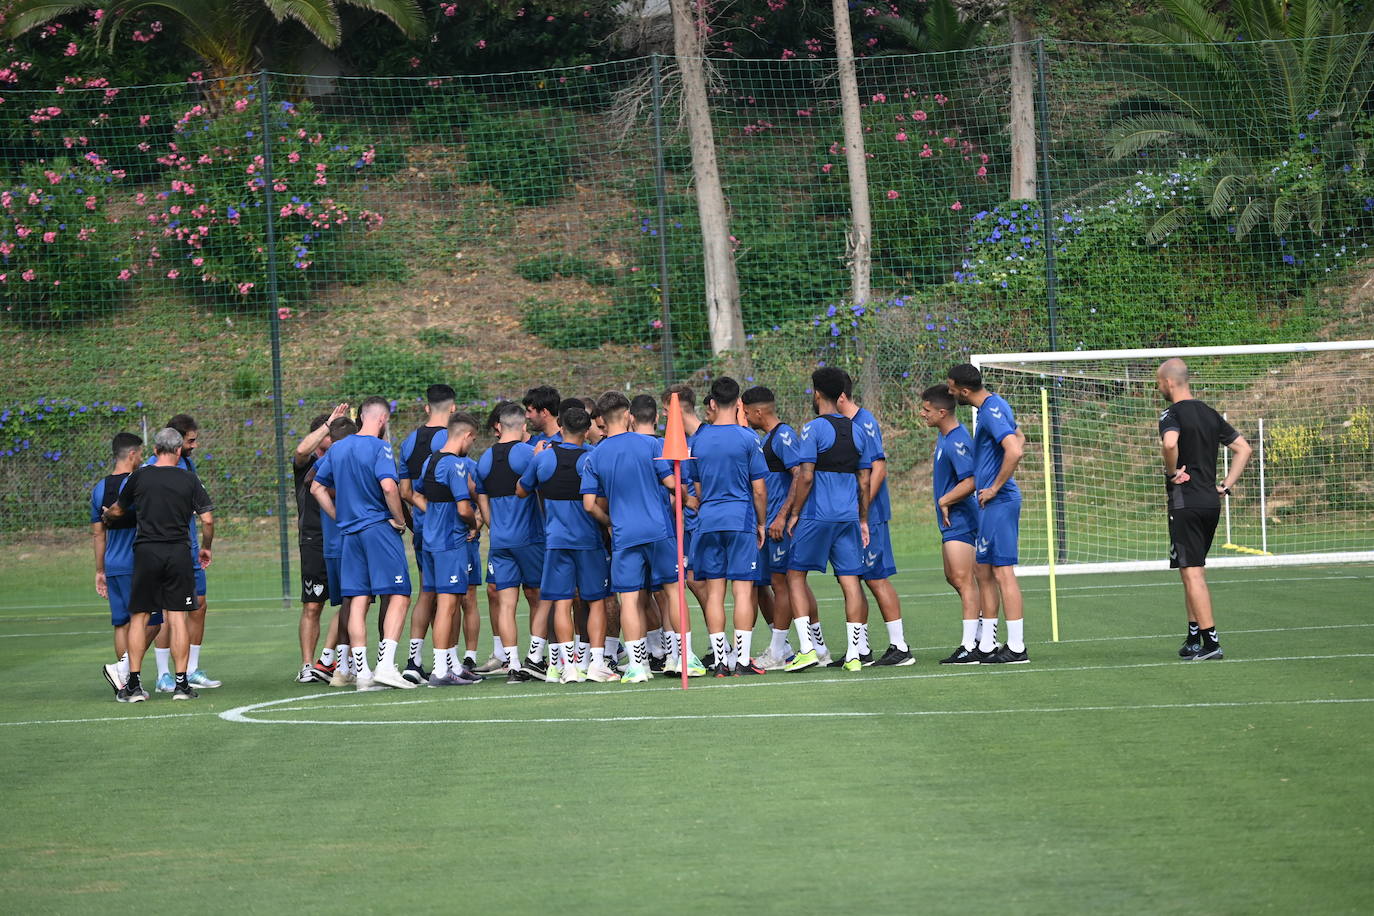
502 480
436 492
565 483
842 457
424 447
110 496
769 456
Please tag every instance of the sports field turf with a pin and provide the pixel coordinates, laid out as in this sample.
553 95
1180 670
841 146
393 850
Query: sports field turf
1107 776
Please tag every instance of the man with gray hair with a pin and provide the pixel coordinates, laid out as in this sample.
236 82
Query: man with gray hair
164 577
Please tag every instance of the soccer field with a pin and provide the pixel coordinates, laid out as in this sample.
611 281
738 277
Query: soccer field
1105 776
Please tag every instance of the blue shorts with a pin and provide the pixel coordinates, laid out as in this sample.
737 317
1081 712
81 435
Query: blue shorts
570 573
119 601
963 524
374 562
998 527
426 570
512 567
475 562
447 569
732 555
814 542
652 564
331 573
779 554
879 563
689 538
200 582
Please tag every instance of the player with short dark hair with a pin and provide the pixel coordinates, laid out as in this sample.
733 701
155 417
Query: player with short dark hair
366 503
167 497
597 430
310 542
829 519
1190 433
114 553
541 410
998 445
332 539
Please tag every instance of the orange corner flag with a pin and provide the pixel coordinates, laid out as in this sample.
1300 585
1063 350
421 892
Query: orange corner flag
674 438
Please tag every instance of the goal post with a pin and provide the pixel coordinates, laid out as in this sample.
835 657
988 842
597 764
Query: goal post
1094 496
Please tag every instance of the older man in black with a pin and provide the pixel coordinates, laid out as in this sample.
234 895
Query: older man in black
164 576
1191 432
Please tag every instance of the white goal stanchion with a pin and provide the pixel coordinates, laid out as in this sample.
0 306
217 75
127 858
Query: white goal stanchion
1306 498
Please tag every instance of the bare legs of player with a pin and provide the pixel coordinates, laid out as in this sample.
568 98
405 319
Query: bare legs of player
472 620
503 622
422 616
1197 596
310 630
181 623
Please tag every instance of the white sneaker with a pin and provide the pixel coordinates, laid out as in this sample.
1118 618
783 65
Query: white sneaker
342 678
492 665
823 656
307 675
390 676
115 676
366 685
572 675
601 673
770 662
672 664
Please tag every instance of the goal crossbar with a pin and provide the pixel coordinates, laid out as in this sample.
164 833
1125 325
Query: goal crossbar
1054 356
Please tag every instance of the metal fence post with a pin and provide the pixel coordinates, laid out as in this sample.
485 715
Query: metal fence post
1050 226
274 322
660 190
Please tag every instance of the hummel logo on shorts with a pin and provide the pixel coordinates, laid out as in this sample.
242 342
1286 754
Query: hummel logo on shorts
398 580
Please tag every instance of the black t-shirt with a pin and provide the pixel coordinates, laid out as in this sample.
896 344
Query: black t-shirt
167 498
1201 431
307 507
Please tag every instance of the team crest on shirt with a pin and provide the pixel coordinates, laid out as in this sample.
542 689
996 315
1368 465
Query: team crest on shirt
314 588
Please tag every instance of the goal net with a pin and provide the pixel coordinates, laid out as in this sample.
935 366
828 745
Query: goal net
1306 497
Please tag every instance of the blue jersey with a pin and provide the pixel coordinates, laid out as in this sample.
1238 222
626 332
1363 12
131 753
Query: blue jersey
881 510
186 465
355 467
834 495
995 423
413 459
626 469
119 542
567 526
728 459
443 529
781 441
953 463
470 465
514 522
536 438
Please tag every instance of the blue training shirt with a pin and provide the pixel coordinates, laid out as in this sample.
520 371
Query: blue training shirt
119 542
779 483
355 467
443 529
728 460
881 510
514 522
417 516
995 423
567 526
953 463
627 470
834 496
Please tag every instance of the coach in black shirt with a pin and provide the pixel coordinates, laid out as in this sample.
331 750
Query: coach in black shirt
1191 433
164 577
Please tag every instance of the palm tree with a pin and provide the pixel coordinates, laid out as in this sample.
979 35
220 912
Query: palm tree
1269 95
226 34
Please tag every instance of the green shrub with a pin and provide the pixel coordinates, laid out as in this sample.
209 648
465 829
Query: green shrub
545 267
247 384
526 155
440 119
401 374
441 337
564 325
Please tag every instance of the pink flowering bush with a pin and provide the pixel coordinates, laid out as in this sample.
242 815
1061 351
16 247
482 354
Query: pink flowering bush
63 257
204 223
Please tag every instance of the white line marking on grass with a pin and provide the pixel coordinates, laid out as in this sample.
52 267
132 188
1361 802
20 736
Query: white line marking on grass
104 632
1171 583
128 718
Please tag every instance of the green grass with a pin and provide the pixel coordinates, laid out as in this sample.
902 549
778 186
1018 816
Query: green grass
1106 776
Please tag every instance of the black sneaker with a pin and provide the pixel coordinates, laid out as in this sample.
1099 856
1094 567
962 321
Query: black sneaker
867 660
536 668
610 663
518 676
835 663
897 658
416 674
748 669
722 670
1208 654
708 661
470 671
184 692
1190 648
962 656
656 663
1005 656
128 694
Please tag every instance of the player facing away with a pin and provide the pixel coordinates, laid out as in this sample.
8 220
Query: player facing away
446 494
829 520
956 511
729 471
516 553
422 442
114 553
310 542
167 497
344 675
575 560
1190 434
998 445
361 470
621 483
880 563
760 410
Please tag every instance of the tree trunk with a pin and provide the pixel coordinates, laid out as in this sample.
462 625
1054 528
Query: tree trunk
1022 108
856 163
722 282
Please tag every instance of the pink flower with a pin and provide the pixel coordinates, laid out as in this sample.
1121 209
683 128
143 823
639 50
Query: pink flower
918 115
956 206
173 274
244 288
892 195
198 262
481 44
283 313
70 50
826 168
901 136
240 104
28 275
926 151
940 99
982 171
49 238
880 97
124 274
788 54
414 63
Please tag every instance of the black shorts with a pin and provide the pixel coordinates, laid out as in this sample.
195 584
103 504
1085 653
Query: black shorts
1190 536
164 579
314 574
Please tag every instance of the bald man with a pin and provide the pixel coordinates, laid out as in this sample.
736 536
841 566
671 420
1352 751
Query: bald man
1190 433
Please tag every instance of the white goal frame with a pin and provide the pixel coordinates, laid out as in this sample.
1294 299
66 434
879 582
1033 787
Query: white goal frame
1260 558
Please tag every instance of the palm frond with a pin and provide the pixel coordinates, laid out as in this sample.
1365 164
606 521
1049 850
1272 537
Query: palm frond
319 17
1130 135
23 15
1251 216
406 15
1167 224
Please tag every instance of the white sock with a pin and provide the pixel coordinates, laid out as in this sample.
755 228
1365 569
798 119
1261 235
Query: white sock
451 658
344 653
639 652
193 660
654 640
417 651
853 640
721 648
469 656
778 644
673 649
970 638
743 646
688 638
360 662
386 653
896 634
582 648
813 629
987 634
326 656
566 650
598 656
440 661
612 647
536 652
496 648
123 664
513 658
864 647
164 660
804 643
1016 630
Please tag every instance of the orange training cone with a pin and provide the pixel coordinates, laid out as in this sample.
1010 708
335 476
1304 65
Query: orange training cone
674 438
